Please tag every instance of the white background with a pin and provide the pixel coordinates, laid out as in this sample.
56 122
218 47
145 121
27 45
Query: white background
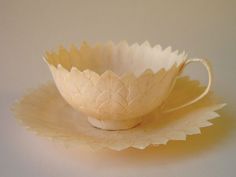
202 28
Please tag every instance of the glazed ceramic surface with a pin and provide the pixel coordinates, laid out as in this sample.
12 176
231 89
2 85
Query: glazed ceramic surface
115 84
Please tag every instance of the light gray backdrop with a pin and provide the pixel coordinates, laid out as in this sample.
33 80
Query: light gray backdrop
202 28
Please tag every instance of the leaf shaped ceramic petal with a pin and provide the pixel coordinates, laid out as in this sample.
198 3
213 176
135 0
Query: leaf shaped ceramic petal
58 120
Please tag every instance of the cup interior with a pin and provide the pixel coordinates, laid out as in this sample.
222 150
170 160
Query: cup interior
119 58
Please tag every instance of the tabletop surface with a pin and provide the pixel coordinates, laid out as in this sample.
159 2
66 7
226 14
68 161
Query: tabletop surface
205 29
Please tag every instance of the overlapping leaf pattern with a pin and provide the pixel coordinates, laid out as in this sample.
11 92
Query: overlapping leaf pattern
83 80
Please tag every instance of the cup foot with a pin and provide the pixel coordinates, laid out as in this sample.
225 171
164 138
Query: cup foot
114 124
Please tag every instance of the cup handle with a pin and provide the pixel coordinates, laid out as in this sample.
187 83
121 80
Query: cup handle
209 71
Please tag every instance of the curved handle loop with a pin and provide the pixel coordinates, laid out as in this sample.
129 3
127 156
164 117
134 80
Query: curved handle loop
209 71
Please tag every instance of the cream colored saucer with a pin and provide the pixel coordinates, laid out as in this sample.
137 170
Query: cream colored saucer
45 112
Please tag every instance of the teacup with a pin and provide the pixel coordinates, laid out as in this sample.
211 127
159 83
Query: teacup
116 85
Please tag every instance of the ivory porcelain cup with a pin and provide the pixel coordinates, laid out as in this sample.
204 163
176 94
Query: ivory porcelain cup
116 85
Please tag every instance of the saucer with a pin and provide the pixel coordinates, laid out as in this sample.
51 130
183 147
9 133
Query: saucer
45 112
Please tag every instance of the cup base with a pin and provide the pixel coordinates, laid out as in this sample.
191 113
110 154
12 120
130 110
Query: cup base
114 124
